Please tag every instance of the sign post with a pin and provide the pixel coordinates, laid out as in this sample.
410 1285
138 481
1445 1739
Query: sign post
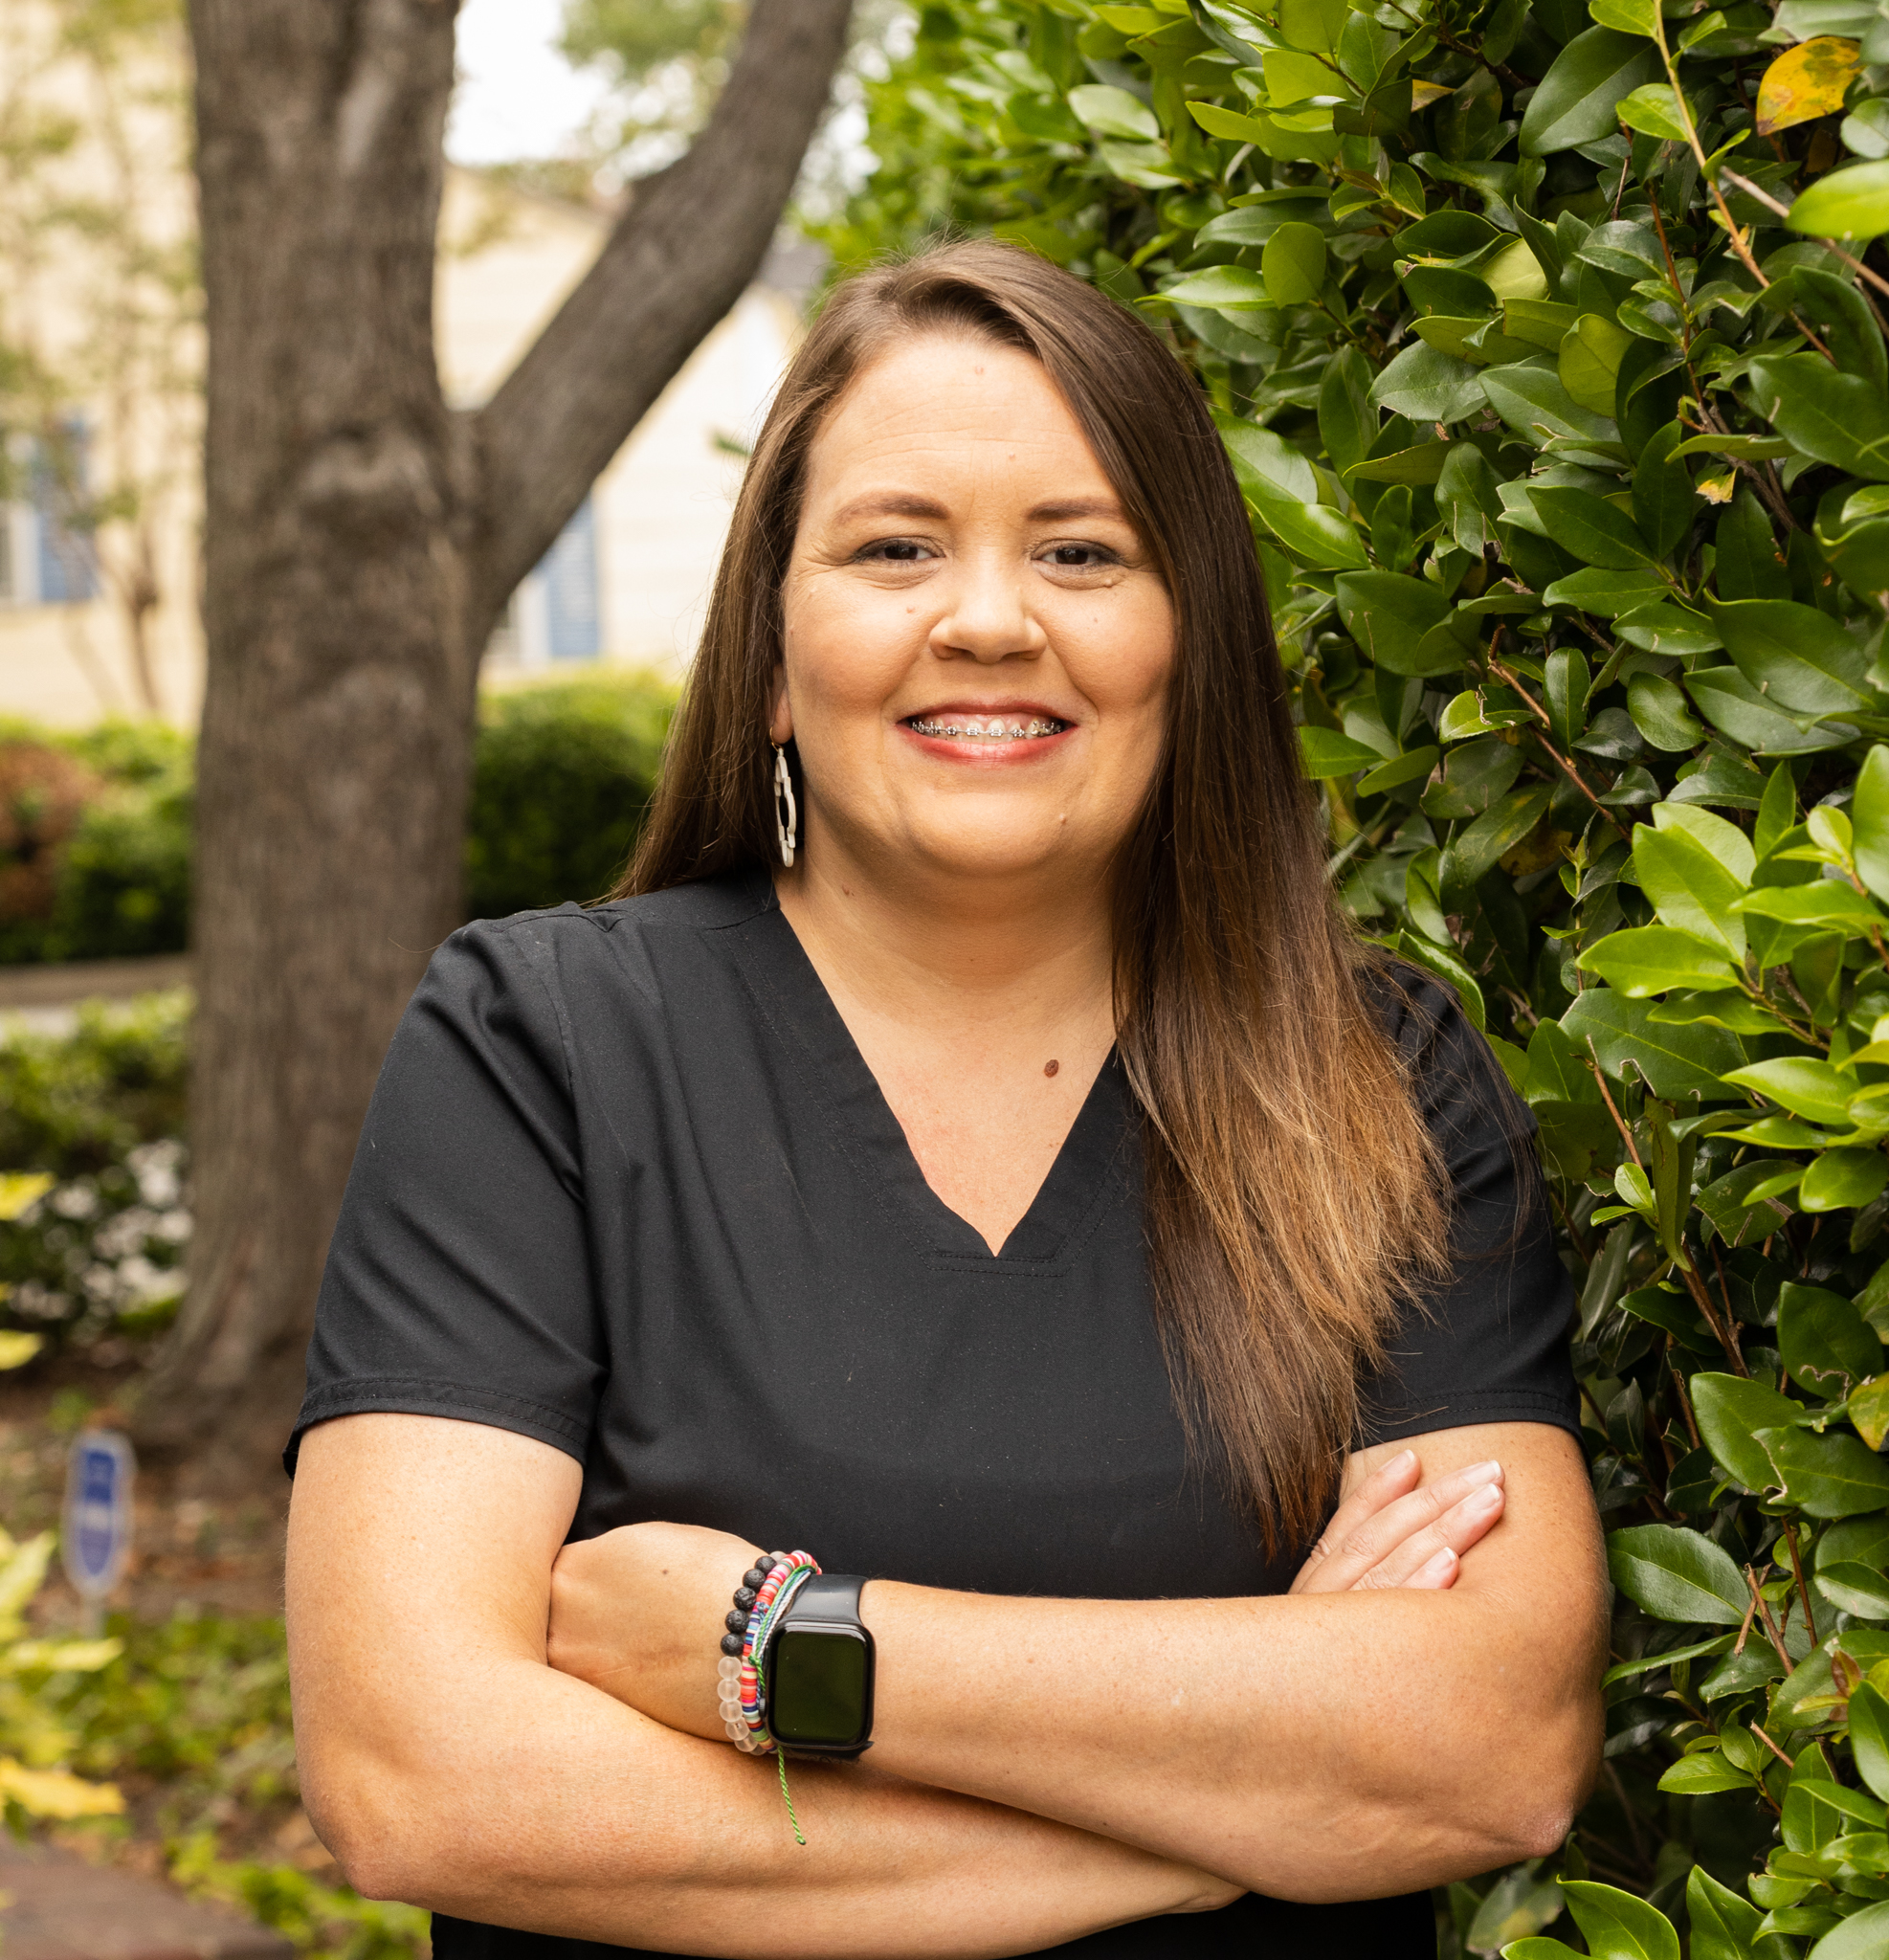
97 1539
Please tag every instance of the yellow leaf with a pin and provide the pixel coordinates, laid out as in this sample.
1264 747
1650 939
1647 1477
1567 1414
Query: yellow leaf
1868 1410
18 1349
60 1657
54 1793
1806 81
1424 92
1718 489
19 1188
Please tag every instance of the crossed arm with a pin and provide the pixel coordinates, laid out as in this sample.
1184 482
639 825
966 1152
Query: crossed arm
1040 1770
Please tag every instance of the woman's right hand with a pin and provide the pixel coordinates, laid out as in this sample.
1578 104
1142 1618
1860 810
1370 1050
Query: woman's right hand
1390 1531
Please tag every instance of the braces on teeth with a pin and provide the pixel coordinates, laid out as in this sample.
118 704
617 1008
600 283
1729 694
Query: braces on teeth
977 731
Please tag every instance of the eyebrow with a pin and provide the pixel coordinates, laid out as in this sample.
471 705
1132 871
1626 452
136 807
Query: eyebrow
909 503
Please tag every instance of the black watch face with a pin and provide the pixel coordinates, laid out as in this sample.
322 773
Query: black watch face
819 1685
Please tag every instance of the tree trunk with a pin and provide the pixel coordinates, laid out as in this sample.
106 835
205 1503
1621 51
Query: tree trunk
361 539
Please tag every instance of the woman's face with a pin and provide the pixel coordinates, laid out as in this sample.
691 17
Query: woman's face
978 646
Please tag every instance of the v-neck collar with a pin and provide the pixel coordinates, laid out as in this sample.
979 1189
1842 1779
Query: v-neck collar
797 1003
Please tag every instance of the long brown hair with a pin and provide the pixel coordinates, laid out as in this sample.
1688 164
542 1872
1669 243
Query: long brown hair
1293 1195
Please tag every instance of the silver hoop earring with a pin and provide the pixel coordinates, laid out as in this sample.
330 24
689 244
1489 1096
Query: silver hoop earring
787 828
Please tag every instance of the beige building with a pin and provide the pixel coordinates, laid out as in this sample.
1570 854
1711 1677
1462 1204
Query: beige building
97 621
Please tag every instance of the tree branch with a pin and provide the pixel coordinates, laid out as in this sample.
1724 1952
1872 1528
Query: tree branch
677 260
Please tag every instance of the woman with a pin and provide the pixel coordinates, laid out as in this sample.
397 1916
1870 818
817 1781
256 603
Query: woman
972 1150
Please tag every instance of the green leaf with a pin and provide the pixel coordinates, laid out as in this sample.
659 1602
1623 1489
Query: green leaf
1851 203
1801 1085
1467 497
1836 419
1597 532
1659 712
1258 453
1863 1936
1617 1926
1114 112
1230 126
1590 361
1856 1589
1869 1737
1796 655
1652 110
1281 485
1869 819
1536 405
1421 464
1664 502
1825 902
1329 753
1390 615
1823 1340
1649 959
1728 700
1577 97
1674 1062
1703 1775
1429 386
1729 1411
1722 1925
1689 887
1222 289
1607 593
1833 1476
1667 630
1568 682
1293 264
1501 828
1348 425
1630 17
1843 1181
1676 1575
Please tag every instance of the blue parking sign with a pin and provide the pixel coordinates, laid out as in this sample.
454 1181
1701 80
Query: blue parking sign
96 1539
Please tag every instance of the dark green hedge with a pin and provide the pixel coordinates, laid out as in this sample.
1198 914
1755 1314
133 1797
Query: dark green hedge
562 775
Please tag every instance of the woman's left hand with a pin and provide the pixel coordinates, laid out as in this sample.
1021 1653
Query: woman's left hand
639 1613
1393 1531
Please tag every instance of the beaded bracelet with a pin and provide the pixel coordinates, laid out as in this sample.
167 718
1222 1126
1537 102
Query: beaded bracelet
761 1602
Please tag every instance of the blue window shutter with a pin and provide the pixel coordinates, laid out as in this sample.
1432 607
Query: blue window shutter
570 569
68 560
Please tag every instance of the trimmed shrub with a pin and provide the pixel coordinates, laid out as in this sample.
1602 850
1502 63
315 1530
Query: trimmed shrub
561 777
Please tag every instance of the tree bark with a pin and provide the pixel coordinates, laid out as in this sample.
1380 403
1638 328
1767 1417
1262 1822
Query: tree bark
361 541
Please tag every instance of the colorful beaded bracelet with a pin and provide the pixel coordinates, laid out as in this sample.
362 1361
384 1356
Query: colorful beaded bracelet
761 1603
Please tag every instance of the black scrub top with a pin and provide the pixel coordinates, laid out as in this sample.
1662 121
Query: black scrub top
627 1185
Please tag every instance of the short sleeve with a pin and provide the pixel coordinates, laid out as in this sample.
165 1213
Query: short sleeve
1489 1343
459 1278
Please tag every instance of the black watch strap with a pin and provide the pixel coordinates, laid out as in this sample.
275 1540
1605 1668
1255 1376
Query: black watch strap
828 1596
832 1598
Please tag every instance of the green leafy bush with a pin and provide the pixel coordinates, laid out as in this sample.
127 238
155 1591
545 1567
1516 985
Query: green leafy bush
93 1218
1564 426
94 841
561 778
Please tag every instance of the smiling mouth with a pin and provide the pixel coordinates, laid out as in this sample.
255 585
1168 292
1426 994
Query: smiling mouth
955 727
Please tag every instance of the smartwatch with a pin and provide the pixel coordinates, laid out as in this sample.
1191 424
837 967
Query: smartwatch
819 1678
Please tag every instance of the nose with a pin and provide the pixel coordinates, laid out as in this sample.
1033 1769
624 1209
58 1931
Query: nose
987 617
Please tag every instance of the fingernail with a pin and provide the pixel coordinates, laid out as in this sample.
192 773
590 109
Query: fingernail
1402 1460
1440 1562
1484 1500
1483 1473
